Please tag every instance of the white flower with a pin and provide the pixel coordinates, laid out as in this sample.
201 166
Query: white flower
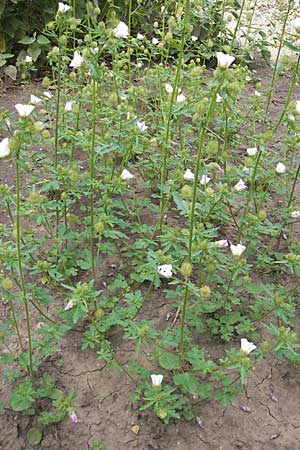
169 88
205 179
155 41
4 148
188 175
180 98
77 60
252 151
240 186
165 270
222 243
280 168
69 105
224 61
69 305
28 59
296 24
140 36
139 65
246 346
257 94
219 98
47 94
298 106
141 126
126 175
24 110
295 214
35 100
194 38
156 380
237 250
121 30
62 7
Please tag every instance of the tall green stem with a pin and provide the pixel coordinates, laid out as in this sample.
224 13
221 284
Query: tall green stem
277 58
237 24
291 88
92 178
192 211
129 40
56 132
294 186
19 255
164 170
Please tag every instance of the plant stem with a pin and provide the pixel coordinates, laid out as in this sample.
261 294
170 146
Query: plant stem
250 192
277 58
294 186
19 255
165 155
287 101
56 131
129 41
237 25
16 324
92 179
192 211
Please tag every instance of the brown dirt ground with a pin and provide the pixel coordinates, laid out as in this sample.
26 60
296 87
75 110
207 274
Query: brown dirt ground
254 421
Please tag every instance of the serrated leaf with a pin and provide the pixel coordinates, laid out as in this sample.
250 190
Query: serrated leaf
27 40
34 436
11 72
169 360
42 40
34 51
188 382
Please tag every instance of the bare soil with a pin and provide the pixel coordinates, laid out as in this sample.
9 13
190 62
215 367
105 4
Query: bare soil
265 417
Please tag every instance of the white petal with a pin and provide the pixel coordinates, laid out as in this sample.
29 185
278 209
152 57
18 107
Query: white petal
224 60
246 346
238 249
156 379
280 168
24 110
165 270
121 30
252 151
240 186
222 243
77 60
4 148
188 175
126 175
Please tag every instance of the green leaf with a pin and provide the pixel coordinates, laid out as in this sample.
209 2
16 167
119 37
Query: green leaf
169 360
42 40
34 51
27 40
188 382
11 72
20 402
34 436
292 47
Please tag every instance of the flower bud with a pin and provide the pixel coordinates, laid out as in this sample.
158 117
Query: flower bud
186 269
187 191
7 284
205 292
99 227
